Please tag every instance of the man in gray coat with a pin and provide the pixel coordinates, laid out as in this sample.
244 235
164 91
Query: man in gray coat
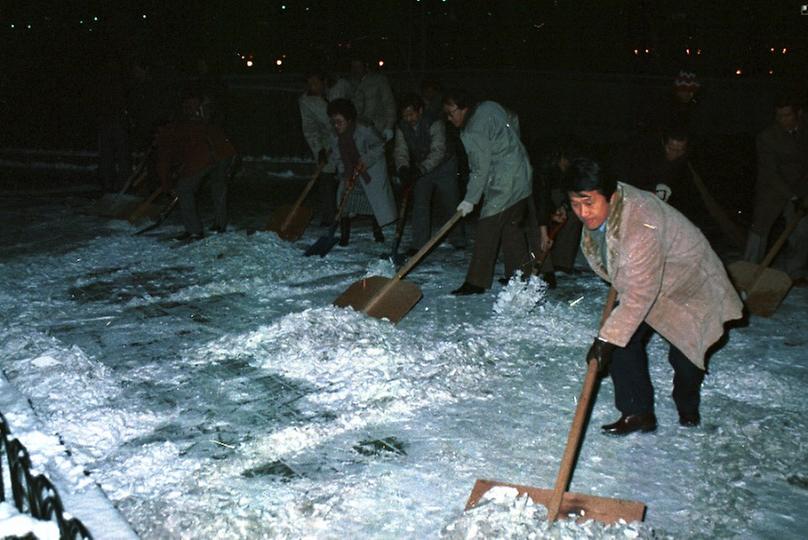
782 183
426 165
501 176
648 251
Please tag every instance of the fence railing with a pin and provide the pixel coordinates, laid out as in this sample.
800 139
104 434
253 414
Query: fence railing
33 495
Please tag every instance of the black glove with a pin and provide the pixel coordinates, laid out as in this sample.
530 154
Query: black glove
601 352
322 156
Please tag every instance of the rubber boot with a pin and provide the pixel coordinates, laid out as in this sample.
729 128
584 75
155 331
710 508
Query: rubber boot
378 235
344 231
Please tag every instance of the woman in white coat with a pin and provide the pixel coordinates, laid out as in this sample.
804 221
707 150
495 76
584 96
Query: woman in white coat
356 146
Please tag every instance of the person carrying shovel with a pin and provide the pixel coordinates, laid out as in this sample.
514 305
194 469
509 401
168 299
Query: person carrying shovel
426 164
668 279
198 151
781 187
501 176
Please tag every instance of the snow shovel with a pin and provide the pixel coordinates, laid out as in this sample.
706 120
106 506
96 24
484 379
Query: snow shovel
391 298
560 502
161 218
120 205
325 243
761 287
289 222
145 208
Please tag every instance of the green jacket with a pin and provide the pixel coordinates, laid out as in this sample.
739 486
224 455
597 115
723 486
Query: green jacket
499 167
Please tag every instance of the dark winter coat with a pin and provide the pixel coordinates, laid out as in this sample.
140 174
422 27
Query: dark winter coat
782 169
190 147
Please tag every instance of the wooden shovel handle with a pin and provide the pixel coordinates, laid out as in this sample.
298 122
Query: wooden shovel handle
349 186
302 196
775 249
145 204
415 259
551 234
578 423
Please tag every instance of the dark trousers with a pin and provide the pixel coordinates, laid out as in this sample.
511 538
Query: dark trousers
508 229
188 187
441 186
633 391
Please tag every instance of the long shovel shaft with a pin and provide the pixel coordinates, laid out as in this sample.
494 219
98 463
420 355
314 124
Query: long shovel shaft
145 204
162 217
578 423
778 245
402 219
324 244
302 197
137 174
414 260
551 234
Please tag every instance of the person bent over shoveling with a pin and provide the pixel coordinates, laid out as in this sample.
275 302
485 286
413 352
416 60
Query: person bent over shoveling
667 279
198 151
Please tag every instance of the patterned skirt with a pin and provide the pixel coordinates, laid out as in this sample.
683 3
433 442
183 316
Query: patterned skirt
357 203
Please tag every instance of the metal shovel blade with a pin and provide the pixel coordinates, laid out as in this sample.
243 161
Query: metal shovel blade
322 246
762 289
393 304
603 509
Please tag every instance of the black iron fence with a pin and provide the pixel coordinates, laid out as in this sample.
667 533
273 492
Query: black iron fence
33 495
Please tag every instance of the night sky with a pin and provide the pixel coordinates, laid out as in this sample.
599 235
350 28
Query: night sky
714 38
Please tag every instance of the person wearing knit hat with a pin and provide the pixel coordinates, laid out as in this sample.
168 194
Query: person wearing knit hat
685 86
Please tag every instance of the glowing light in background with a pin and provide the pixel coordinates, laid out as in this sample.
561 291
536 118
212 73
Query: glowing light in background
381 62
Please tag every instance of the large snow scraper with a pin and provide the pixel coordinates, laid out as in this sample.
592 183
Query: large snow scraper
561 503
391 298
763 288
289 222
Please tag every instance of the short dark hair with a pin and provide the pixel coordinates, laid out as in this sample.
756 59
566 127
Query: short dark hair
459 97
411 99
343 107
587 175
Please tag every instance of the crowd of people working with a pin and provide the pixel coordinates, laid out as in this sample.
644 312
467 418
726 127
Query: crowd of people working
446 153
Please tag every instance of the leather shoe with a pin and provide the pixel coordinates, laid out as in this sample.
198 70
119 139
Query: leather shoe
631 423
467 288
689 419
189 237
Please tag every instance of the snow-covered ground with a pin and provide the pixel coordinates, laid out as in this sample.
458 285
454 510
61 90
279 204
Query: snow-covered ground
213 391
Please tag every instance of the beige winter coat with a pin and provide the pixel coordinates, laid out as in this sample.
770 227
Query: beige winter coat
665 273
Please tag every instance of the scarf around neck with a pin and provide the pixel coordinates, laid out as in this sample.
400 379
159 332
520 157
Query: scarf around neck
349 152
